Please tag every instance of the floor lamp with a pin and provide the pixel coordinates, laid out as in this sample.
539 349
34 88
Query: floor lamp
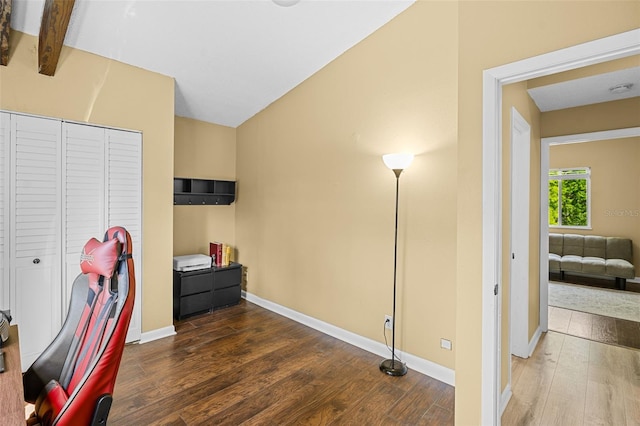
397 163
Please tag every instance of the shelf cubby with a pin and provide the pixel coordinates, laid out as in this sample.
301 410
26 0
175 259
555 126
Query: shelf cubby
190 191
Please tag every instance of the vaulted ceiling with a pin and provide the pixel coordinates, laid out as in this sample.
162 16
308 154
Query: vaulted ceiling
230 58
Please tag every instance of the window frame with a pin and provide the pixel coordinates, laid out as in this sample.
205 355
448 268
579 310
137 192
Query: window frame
571 176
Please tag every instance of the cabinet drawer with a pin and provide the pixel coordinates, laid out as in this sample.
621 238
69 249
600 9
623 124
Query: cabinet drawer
223 278
195 303
191 283
226 296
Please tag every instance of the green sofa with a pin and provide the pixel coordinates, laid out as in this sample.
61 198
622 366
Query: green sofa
592 255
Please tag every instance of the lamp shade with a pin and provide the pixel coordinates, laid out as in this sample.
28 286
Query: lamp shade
286 3
397 161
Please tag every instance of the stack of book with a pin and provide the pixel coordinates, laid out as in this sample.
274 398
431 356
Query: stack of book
221 254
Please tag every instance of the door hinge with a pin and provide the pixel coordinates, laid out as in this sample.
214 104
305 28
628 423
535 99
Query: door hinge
495 290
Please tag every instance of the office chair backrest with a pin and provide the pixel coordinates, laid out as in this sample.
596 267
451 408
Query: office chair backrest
72 381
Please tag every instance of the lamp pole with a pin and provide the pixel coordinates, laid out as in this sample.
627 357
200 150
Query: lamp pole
397 163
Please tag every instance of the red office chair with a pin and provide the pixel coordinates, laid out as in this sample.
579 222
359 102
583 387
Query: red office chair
72 381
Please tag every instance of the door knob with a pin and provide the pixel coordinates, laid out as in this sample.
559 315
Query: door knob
36 260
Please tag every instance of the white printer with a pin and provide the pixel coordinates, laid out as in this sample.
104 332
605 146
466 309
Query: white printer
191 262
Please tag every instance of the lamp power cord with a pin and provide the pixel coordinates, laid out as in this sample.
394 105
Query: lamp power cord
384 333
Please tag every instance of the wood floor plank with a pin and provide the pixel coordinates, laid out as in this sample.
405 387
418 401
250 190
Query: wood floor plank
567 394
628 333
604 405
632 410
246 365
530 394
416 404
604 329
559 319
436 416
263 374
383 394
580 324
593 384
329 386
517 366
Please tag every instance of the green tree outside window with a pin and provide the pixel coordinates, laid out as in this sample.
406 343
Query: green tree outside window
568 197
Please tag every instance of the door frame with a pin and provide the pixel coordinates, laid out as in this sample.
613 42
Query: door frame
593 52
545 143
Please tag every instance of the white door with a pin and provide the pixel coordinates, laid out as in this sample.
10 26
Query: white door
519 271
83 196
124 204
35 232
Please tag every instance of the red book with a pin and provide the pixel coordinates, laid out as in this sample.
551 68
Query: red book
215 251
219 255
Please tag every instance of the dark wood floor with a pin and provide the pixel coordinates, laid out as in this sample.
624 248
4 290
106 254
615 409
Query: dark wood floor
613 331
247 365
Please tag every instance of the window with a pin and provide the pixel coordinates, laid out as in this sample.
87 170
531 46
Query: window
569 203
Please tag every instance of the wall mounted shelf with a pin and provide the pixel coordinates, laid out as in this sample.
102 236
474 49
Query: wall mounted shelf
188 191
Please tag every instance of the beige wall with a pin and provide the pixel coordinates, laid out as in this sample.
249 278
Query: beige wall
314 216
89 88
205 151
315 220
615 174
615 186
516 96
493 34
591 118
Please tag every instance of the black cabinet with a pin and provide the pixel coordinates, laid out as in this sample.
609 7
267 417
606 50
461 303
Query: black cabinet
226 285
192 292
203 290
188 191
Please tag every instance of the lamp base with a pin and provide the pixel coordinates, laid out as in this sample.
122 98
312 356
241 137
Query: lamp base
392 368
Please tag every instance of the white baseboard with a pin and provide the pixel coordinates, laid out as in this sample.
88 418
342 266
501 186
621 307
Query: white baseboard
534 340
505 398
150 336
421 365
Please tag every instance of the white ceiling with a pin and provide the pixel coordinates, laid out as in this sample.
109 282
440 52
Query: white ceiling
230 58
586 91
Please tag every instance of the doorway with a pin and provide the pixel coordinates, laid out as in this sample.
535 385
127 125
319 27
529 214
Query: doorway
593 311
606 49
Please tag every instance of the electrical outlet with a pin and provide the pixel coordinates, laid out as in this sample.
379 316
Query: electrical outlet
388 322
445 344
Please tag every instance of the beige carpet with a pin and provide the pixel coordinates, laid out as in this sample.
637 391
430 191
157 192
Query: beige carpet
599 301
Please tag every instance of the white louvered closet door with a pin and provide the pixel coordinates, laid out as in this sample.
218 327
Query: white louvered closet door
83 196
35 229
5 126
124 201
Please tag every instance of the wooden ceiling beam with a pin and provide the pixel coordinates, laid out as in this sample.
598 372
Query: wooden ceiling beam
5 28
55 20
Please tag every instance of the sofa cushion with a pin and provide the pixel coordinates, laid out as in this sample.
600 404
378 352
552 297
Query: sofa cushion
595 246
593 265
619 248
554 262
571 263
573 245
619 268
555 243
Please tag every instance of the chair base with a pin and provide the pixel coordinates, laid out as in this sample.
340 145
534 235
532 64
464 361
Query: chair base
393 368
